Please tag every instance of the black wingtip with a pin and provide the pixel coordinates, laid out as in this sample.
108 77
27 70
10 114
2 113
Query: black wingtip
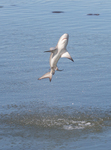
71 59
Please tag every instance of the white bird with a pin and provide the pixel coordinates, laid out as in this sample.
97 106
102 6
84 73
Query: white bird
56 53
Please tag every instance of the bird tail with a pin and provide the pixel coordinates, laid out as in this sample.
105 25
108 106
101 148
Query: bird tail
47 75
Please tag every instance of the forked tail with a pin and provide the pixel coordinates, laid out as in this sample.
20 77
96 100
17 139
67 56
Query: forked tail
47 75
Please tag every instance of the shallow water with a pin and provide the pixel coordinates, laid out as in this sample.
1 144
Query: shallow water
74 110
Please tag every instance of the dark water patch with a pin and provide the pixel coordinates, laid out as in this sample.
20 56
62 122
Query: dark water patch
93 14
57 11
1 6
13 5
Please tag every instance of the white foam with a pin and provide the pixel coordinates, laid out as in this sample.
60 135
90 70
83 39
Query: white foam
77 125
88 124
68 127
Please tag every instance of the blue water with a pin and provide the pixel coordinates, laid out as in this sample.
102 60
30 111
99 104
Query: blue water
73 111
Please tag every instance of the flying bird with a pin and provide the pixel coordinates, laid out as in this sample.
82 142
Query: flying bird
56 53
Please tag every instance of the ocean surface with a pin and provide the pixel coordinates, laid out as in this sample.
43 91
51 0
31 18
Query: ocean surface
73 111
